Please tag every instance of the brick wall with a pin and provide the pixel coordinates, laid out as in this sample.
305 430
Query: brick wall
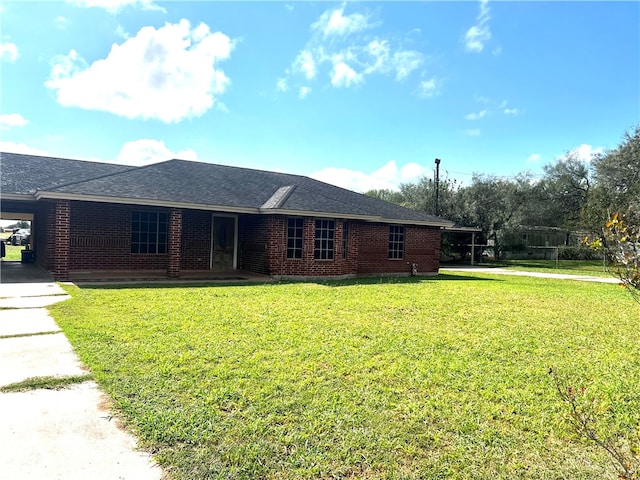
422 246
280 265
45 240
196 240
174 242
61 253
101 239
252 243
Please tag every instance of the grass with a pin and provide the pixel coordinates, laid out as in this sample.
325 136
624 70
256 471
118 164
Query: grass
49 383
13 252
395 379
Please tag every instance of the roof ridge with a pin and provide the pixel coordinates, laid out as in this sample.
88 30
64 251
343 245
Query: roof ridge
112 174
92 178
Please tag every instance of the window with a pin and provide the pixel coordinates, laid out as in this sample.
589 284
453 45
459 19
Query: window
294 238
324 244
345 240
396 241
149 232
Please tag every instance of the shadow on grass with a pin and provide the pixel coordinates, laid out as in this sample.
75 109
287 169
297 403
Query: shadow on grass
327 283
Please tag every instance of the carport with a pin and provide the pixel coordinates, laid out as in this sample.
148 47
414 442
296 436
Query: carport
17 272
20 210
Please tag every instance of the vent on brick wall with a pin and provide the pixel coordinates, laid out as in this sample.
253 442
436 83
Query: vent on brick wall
253 247
108 242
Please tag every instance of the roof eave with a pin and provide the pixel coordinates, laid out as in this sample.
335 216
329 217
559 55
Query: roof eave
347 216
148 202
308 213
18 196
426 223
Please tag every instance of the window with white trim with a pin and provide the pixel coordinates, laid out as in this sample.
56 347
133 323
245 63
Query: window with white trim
149 232
396 242
294 237
324 241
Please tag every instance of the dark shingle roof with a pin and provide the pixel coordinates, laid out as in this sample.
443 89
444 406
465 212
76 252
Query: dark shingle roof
24 174
187 183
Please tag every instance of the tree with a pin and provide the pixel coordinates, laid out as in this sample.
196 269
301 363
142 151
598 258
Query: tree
496 205
421 196
564 192
621 243
386 195
617 173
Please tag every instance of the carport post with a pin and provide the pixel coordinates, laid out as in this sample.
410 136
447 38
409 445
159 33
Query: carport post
62 243
174 242
473 248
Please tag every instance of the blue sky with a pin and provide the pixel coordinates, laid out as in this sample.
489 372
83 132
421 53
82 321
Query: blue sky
360 94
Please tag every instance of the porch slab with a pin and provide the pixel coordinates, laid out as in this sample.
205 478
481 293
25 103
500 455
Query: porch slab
37 356
101 277
26 321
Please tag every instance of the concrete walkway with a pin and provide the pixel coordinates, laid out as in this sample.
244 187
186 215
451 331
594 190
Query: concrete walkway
54 434
504 271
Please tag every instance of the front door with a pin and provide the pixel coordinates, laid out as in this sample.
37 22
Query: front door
223 236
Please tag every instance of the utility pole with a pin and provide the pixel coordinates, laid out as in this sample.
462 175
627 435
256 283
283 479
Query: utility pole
437 182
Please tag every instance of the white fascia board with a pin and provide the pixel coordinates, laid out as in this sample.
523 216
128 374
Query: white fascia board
142 202
307 213
425 223
18 196
462 229
365 218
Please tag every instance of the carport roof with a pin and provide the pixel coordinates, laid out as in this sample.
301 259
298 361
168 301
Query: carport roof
198 185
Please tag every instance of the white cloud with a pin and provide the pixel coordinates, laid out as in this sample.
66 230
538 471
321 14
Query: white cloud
167 74
343 75
114 6
22 148
304 63
585 152
122 33
381 60
428 88
10 120
389 176
303 92
8 52
61 22
472 132
282 85
534 158
479 34
334 22
511 111
338 45
413 171
406 61
476 115
146 151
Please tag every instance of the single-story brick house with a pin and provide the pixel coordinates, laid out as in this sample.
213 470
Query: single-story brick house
182 216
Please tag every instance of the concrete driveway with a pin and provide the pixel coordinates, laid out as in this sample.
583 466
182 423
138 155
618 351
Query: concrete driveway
54 434
504 271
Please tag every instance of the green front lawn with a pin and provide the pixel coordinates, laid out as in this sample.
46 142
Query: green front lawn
12 252
442 378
